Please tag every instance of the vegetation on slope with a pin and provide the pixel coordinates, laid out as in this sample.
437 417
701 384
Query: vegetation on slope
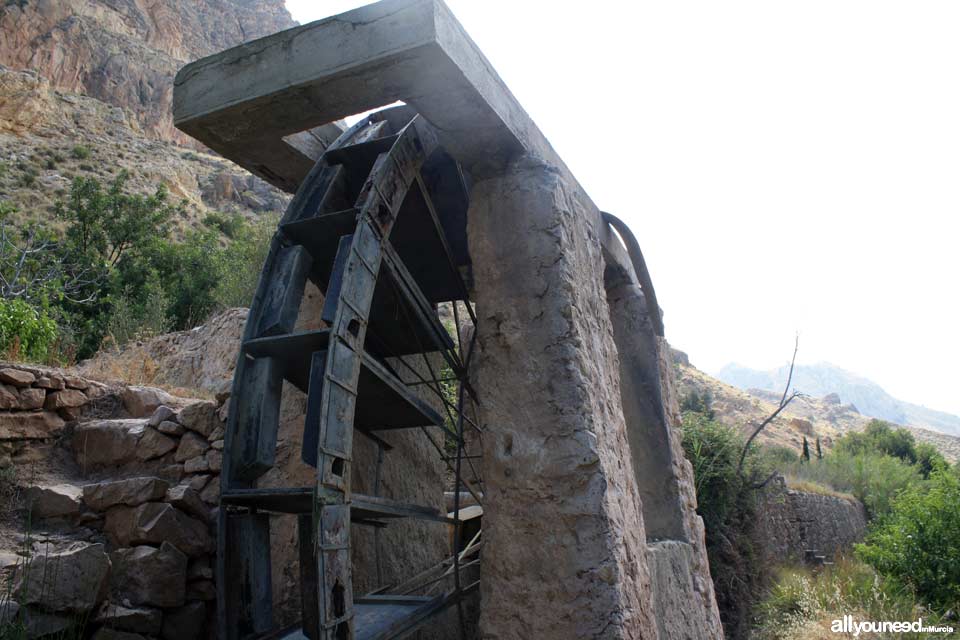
909 565
109 270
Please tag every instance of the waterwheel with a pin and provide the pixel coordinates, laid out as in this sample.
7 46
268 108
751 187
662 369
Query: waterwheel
379 227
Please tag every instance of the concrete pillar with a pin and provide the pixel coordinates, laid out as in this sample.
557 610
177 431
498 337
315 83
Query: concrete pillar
565 553
682 588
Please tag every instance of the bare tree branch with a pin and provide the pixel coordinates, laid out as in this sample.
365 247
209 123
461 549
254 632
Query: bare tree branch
785 400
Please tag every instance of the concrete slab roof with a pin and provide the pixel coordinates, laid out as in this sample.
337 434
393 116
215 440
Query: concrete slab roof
244 101
267 105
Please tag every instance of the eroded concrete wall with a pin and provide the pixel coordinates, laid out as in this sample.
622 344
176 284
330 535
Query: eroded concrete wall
565 555
682 588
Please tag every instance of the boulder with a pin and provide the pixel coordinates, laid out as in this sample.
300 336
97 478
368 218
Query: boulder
17 377
37 623
217 444
802 426
141 402
215 460
107 442
154 523
131 492
72 580
52 381
53 501
200 417
149 576
198 482
32 398
138 619
9 399
188 501
211 493
154 444
65 399
217 434
191 446
185 623
196 465
171 428
76 382
162 413
30 425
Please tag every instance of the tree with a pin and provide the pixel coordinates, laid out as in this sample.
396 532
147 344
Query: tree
103 225
34 266
919 542
819 451
805 455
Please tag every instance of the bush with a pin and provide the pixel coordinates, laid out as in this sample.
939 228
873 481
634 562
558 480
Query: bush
727 503
25 332
80 152
919 543
873 478
880 437
802 603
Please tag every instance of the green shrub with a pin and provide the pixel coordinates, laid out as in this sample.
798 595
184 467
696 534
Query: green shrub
25 332
873 478
241 262
80 152
880 437
803 602
727 503
919 542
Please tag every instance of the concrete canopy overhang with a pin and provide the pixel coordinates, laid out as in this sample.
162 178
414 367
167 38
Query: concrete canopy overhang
267 105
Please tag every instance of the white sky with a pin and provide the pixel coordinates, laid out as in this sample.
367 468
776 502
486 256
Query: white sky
786 166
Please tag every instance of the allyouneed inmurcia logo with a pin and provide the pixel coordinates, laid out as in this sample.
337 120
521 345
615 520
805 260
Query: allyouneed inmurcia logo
848 625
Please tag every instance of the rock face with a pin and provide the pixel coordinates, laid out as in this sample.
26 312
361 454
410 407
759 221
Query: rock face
68 581
156 523
126 52
792 522
150 576
201 358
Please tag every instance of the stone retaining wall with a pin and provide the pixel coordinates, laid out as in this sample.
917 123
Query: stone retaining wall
111 494
791 522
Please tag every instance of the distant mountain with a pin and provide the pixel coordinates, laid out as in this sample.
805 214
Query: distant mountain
823 379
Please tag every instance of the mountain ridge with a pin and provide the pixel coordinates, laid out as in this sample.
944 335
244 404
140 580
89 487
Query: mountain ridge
823 378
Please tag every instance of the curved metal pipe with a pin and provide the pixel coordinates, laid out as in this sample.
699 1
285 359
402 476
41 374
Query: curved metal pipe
640 267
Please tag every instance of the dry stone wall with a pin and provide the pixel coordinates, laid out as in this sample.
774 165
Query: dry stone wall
793 522
109 525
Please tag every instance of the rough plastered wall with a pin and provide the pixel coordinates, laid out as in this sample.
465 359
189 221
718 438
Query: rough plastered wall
791 522
683 595
565 555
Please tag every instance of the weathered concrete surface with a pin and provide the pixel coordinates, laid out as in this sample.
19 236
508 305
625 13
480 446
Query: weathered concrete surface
792 522
566 552
242 102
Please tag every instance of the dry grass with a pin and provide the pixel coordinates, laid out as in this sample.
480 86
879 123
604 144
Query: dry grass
808 486
134 367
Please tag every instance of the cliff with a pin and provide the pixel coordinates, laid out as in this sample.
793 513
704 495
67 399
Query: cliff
126 52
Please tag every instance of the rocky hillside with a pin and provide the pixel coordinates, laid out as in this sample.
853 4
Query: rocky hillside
126 52
47 138
826 417
825 379
86 87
